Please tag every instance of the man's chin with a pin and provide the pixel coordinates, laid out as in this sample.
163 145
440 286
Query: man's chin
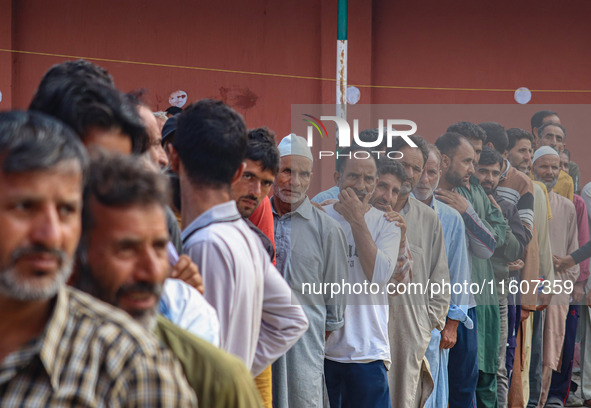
381 206
146 319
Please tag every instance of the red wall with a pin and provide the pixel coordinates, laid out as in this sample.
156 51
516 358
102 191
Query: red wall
461 44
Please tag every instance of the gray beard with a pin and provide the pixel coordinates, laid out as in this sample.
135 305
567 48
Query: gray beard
13 288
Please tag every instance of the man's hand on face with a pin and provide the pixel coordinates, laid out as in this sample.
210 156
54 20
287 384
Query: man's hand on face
350 207
453 199
188 272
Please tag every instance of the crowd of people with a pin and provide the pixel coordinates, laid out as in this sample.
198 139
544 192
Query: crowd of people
164 259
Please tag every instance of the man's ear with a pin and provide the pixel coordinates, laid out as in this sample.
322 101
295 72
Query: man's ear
505 155
239 172
445 161
175 161
337 178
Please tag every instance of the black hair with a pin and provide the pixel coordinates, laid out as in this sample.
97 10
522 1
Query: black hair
567 152
448 143
393 167
490 156
173 110
211 142
538 118
32 141
81 69
84 104
261 147
545 125
516 134
399 143
115 180
495 134
345 154
469 130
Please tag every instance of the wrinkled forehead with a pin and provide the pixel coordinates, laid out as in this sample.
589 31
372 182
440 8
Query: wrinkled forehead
296 162
552 129
365 165
548 160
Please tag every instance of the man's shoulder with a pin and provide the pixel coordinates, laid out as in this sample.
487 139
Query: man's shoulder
324 220
568 204
212 372
449 213
422 209
516 181
182 342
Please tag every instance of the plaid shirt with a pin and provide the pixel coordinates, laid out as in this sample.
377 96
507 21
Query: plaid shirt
92 355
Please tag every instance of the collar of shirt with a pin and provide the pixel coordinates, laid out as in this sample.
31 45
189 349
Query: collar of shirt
406 207
45 346
506 170
305 209
219 213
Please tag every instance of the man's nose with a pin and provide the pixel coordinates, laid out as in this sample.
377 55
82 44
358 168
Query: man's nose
47 228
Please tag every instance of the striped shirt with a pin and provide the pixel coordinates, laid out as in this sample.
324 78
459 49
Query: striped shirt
92 355
518 189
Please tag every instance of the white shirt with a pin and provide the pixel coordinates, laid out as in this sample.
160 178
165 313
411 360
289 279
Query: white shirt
364 336
258 321
183 305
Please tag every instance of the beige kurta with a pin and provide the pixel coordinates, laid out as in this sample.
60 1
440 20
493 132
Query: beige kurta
413 317
538 257
564 240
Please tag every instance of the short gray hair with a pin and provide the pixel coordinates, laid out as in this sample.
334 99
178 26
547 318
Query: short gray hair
33 141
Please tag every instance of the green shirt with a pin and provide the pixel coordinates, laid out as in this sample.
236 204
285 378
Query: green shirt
487 309
218 378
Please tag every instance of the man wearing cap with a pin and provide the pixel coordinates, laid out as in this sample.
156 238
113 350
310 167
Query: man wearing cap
311 251
563 240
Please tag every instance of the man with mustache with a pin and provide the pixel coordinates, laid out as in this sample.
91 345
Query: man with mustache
83 96
456 247
472 368
358 354
122 260
488 172
552 133
250 193
311 250
563 240
419 317
251 189
515 188
59 346
538 264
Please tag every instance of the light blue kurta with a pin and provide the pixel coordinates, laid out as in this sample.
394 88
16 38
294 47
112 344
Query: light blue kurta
311 249
459 270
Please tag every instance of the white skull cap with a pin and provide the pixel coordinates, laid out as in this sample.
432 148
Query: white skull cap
543 151
295 145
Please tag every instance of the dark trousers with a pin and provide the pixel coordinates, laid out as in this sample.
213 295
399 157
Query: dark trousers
462 367
560 385
514 322
357 385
